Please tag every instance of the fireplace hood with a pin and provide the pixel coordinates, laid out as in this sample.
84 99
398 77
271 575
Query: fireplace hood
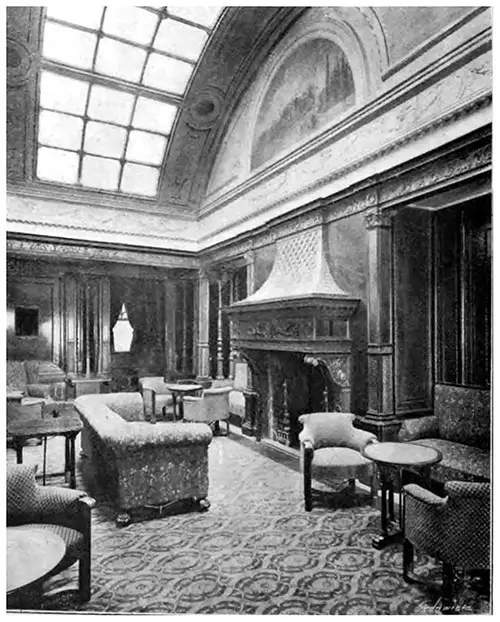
300 307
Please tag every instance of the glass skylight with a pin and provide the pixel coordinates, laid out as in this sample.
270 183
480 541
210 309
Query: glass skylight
112 81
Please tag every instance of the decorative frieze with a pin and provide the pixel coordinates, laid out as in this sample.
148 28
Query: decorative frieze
53 250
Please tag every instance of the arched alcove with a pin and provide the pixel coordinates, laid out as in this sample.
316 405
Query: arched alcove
313 86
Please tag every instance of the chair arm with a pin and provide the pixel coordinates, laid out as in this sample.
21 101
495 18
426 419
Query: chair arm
423 496
38 390
56 499
359 439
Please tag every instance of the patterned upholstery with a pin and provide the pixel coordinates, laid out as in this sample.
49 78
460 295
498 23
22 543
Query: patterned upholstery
331 448
141 464
454 529
36 379
22 493
155 395
212 406
460 429
64 511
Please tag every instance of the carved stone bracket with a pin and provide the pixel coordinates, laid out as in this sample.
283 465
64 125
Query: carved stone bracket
376 218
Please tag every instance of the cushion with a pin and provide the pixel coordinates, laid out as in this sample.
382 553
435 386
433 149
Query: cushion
16 376
326 429
43 372
22 493
463 414
340 462
418 427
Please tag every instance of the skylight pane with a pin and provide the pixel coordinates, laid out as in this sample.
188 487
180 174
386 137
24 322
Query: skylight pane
145 147
110 105
130 23
80 14
61 93
180 39
68 45
167 74
57 165
120 60
154 115
60 130
204 15
100 173
138 179
106 140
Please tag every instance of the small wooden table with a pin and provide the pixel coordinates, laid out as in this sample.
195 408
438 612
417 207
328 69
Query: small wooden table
32 553
58 419
392 459
179 391
85 385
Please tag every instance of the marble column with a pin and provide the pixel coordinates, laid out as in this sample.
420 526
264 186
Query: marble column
380 416
203 300
220 351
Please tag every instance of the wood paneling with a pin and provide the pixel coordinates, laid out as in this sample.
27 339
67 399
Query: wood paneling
42 294
412 311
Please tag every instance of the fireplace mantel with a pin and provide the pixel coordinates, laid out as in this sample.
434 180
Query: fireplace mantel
300 310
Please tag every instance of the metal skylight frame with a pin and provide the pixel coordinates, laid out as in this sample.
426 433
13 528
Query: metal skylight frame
131 162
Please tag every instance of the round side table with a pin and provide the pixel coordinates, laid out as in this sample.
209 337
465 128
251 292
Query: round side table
391 459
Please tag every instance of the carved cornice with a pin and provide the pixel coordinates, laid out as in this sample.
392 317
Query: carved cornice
376 219
54 250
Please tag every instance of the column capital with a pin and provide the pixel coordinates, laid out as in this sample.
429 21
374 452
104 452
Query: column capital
376 218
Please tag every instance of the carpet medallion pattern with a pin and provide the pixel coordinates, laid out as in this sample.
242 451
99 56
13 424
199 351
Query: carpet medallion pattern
256 551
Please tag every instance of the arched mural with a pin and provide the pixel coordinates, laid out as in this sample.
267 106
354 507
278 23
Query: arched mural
312 87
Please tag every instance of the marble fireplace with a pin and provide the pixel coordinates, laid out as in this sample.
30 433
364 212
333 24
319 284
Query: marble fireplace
294 332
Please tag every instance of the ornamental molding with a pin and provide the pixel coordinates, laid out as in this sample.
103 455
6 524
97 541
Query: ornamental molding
21 61
64 251
402 187
339 368
376 219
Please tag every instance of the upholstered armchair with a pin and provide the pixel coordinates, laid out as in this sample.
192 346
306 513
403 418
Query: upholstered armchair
331 448
157 398
212 407
454 529
63 511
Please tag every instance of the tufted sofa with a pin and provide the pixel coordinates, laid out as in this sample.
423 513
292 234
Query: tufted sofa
141 464
459 429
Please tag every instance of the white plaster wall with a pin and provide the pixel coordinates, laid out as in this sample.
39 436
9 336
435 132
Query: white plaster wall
87 222
400 115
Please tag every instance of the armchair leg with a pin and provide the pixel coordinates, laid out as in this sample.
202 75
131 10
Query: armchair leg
407 559
447 596
307 489
84 578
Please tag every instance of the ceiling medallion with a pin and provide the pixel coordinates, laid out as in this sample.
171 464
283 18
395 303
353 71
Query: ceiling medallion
205 109
20 62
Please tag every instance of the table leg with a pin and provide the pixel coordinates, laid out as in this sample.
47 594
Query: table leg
181 408
18 445
66 458
386 512
174 406
72 461
44 458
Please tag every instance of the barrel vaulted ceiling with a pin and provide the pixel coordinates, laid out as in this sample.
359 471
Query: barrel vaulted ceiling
126 106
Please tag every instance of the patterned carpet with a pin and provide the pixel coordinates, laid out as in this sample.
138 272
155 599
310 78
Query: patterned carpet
256 551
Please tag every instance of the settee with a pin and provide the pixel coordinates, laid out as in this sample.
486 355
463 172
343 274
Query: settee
459 429
36 381
143 465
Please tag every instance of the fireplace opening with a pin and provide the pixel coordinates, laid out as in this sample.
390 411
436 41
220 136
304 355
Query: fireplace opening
287 388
